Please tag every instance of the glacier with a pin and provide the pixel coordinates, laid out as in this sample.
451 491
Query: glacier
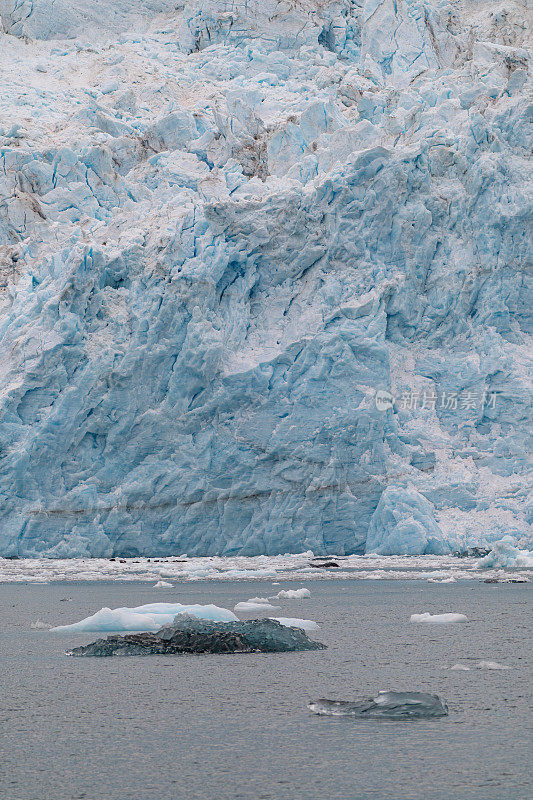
263 277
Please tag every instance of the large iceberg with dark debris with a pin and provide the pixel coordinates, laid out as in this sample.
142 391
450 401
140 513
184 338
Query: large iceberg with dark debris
263 276
188 634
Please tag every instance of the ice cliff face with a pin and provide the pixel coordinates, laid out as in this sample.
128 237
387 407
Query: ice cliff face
263 277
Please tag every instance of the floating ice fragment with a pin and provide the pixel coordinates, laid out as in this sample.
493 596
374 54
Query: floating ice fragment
294 622
440 619
162 585
481 665
293 594
149 617
451 579
386 705
255 604
39 625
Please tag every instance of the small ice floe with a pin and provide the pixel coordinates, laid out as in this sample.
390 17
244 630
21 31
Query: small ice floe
293 622
480 665
451 579
149 617
385 705
162 585
293 594
255 604
439 619
39 625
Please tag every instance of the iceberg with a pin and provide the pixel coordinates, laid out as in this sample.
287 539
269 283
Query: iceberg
255 604
438 619
385 705
148 617
293 594
506 554
192 635
263 278
491 665
163 585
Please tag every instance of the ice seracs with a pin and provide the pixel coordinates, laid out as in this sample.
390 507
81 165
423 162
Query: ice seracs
506 554
224 229
404 523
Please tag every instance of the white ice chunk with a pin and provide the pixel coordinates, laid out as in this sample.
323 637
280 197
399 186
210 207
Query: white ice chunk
294 622
504 554
480 665
255 604
440 619
293 594
162 585
149 617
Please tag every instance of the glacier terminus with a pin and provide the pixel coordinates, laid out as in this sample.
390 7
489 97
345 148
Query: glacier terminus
263 276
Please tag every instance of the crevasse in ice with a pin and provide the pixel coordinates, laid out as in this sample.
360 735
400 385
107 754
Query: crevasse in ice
263 276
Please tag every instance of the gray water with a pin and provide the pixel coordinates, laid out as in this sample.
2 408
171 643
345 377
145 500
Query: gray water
236 727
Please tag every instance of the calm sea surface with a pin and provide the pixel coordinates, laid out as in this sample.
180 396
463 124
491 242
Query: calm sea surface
236 727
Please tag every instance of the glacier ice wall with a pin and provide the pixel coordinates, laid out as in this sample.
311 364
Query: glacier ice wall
263 276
